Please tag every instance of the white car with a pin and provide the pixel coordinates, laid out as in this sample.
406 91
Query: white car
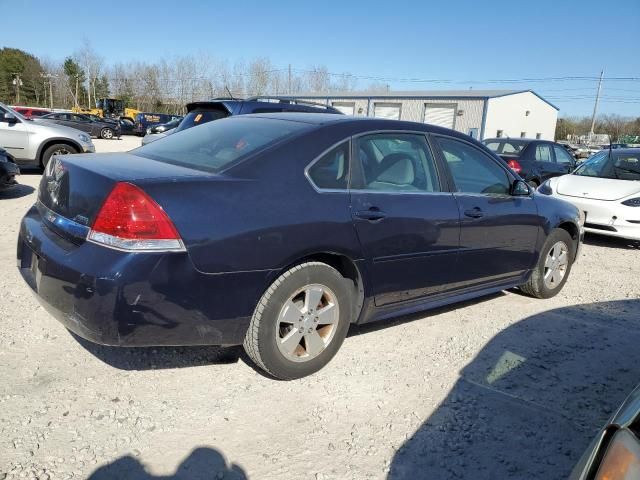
607 189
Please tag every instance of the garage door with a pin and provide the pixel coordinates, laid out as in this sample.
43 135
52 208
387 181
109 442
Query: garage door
347 108
441 115
390 111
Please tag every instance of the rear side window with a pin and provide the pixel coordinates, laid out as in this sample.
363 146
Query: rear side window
217 145
396 162
472 170
200 117
331 171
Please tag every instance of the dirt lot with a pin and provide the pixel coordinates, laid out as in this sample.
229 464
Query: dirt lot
504 387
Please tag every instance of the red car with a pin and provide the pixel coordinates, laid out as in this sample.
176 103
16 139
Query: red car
31 112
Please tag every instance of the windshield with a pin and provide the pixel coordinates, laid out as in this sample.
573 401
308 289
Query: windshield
217 145
200 117
615 165
513 147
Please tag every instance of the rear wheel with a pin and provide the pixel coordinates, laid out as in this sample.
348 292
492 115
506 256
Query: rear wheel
300 321
56 149
106 133
553 267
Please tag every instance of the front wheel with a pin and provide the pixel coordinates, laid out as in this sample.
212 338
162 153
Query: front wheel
553 267
300 321
106 133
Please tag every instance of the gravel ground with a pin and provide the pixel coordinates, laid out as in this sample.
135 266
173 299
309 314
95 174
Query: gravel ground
503 387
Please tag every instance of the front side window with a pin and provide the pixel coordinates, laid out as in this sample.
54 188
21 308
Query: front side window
543 153
562 156
396 162
473 171
331 171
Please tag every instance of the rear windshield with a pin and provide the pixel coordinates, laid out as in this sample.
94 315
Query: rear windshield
216 145
505 146
200 117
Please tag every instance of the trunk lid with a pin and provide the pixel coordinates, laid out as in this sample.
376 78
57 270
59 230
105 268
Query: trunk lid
596 188
73 187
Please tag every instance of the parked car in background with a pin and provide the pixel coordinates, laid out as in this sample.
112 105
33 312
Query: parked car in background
607 189
8 170
159 131
34 142
581 151
277 231
145 120
533 160
31 112
199 113
93 125
615 452
127 126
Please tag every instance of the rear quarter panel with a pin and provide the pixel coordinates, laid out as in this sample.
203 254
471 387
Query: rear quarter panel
261 215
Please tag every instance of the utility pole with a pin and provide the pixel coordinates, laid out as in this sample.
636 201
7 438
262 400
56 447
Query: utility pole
49 76
289 82
18 83
595 107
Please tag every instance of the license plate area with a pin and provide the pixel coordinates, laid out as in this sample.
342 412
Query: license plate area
29 266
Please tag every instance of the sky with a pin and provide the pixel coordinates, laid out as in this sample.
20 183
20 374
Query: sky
445 45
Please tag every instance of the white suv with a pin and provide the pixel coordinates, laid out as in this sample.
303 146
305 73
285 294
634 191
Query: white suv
33 143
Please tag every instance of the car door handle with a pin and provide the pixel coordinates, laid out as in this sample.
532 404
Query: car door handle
474 212
373 214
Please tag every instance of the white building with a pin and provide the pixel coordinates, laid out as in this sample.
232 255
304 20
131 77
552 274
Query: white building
478 113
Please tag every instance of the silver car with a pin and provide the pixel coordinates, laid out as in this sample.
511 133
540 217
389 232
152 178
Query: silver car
34 142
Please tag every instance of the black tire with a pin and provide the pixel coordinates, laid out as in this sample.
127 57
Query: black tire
260 340
536 286
106 133
56 149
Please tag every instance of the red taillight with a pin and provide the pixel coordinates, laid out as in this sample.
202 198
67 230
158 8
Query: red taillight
514 165
131 220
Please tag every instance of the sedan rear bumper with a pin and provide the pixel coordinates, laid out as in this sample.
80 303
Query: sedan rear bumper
134 299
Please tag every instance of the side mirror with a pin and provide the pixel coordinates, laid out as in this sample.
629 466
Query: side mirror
10 118
519 188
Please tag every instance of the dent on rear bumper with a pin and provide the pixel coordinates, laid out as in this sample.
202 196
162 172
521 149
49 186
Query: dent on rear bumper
132 299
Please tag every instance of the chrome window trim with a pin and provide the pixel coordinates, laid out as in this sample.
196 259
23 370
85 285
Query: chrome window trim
319 157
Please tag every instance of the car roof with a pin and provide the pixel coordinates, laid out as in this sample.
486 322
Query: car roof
376 124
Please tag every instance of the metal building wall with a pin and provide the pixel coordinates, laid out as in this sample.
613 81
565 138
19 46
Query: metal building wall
412 109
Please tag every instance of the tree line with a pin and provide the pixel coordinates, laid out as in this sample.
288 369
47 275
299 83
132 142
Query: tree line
167 85
617 127
164 86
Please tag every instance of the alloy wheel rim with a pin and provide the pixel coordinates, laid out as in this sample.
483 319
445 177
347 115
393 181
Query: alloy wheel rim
555 265
307 322
108 133
61 151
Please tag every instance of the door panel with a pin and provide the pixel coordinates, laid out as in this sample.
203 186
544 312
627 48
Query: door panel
14 137
407 226
498 232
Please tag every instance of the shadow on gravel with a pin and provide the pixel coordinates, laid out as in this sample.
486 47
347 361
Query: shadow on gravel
611 242
149 358
202 463
531 401
17 191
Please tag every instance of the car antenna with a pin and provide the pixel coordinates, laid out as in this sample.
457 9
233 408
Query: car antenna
229 92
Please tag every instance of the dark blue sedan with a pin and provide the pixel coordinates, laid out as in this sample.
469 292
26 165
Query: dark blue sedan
277 231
